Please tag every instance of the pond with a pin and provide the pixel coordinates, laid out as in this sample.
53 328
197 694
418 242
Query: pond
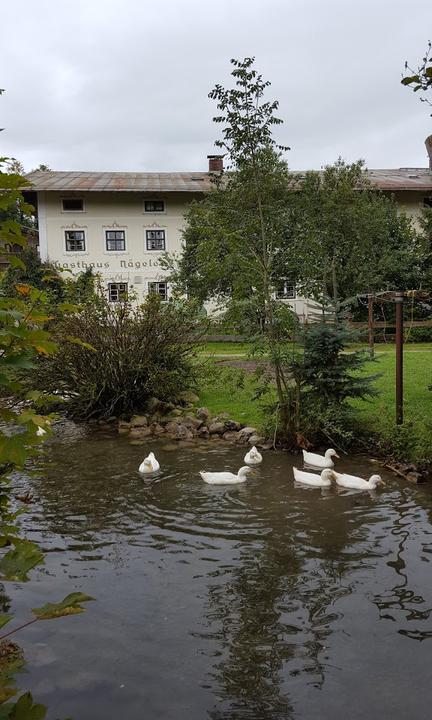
258 601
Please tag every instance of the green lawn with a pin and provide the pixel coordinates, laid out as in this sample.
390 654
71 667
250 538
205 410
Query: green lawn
230 390
231 348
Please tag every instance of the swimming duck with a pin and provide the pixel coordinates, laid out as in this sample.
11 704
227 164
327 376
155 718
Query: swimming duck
149 464
357 483
226 478
306 478
253 457
320 461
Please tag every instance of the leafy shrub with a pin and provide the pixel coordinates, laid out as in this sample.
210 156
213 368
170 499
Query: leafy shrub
112 358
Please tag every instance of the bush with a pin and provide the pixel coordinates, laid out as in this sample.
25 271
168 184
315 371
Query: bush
113 358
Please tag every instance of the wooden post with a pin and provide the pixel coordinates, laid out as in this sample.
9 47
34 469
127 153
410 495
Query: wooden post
399 298
370 325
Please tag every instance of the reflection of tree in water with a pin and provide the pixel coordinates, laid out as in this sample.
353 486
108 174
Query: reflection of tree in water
274 617
401 599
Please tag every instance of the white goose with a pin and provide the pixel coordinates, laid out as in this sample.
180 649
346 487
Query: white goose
320 461
306 478
226 478
149 464
357 483
253 457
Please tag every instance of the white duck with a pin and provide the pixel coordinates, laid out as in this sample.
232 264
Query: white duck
306 478
253 457
40 431
320 461
357 483
226 478
149 464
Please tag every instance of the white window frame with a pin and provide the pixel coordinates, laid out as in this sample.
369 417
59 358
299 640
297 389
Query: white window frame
155 230
118 291
284 294
75 252
105 241
72 211
156 283
155 212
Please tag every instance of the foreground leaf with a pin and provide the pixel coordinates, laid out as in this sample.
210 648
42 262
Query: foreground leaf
17 562
24 709
69 606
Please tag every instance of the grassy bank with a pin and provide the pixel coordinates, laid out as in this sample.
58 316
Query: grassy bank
231 390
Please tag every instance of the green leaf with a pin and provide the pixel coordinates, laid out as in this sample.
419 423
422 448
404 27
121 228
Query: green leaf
26 709
69 606
15 261
4 619
17 562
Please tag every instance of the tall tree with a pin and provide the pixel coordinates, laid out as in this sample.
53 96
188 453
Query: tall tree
347 237
235 237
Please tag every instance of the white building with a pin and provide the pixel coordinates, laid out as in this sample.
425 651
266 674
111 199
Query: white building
119 223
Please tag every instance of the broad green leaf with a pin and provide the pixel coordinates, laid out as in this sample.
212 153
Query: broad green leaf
12 450
69 606
26 709
17 562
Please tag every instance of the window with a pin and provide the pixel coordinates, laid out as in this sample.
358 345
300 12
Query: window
73 204
427 202
75 240
117 291
155 239
115 240
154 206
160 288
286 290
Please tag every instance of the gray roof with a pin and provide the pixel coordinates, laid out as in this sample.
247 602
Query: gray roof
419 179
119 181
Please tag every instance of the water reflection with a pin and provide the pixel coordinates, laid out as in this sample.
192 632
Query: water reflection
254 601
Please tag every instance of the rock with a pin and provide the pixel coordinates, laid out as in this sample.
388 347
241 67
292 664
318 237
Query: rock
216 428
177 412
414 477
169 447
232 425
203 432
256 440
138 421
178 431
187 396
140 432
246 432
166 407
157 429
230 435
203 413
191 422
267 445
123 427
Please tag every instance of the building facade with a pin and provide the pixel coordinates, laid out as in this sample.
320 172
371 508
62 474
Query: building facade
119 224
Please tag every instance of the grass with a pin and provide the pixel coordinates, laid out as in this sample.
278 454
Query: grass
227 389
231 390
214 349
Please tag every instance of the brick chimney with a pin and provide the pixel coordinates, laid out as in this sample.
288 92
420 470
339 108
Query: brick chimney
428 143
216 163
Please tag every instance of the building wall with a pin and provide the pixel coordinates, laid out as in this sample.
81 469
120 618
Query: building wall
136 266
111 211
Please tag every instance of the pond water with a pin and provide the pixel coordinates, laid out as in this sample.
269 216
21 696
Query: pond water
258 601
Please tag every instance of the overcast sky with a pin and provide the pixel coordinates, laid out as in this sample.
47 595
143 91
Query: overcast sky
123 84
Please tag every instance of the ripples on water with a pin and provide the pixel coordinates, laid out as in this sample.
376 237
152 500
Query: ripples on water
262 600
